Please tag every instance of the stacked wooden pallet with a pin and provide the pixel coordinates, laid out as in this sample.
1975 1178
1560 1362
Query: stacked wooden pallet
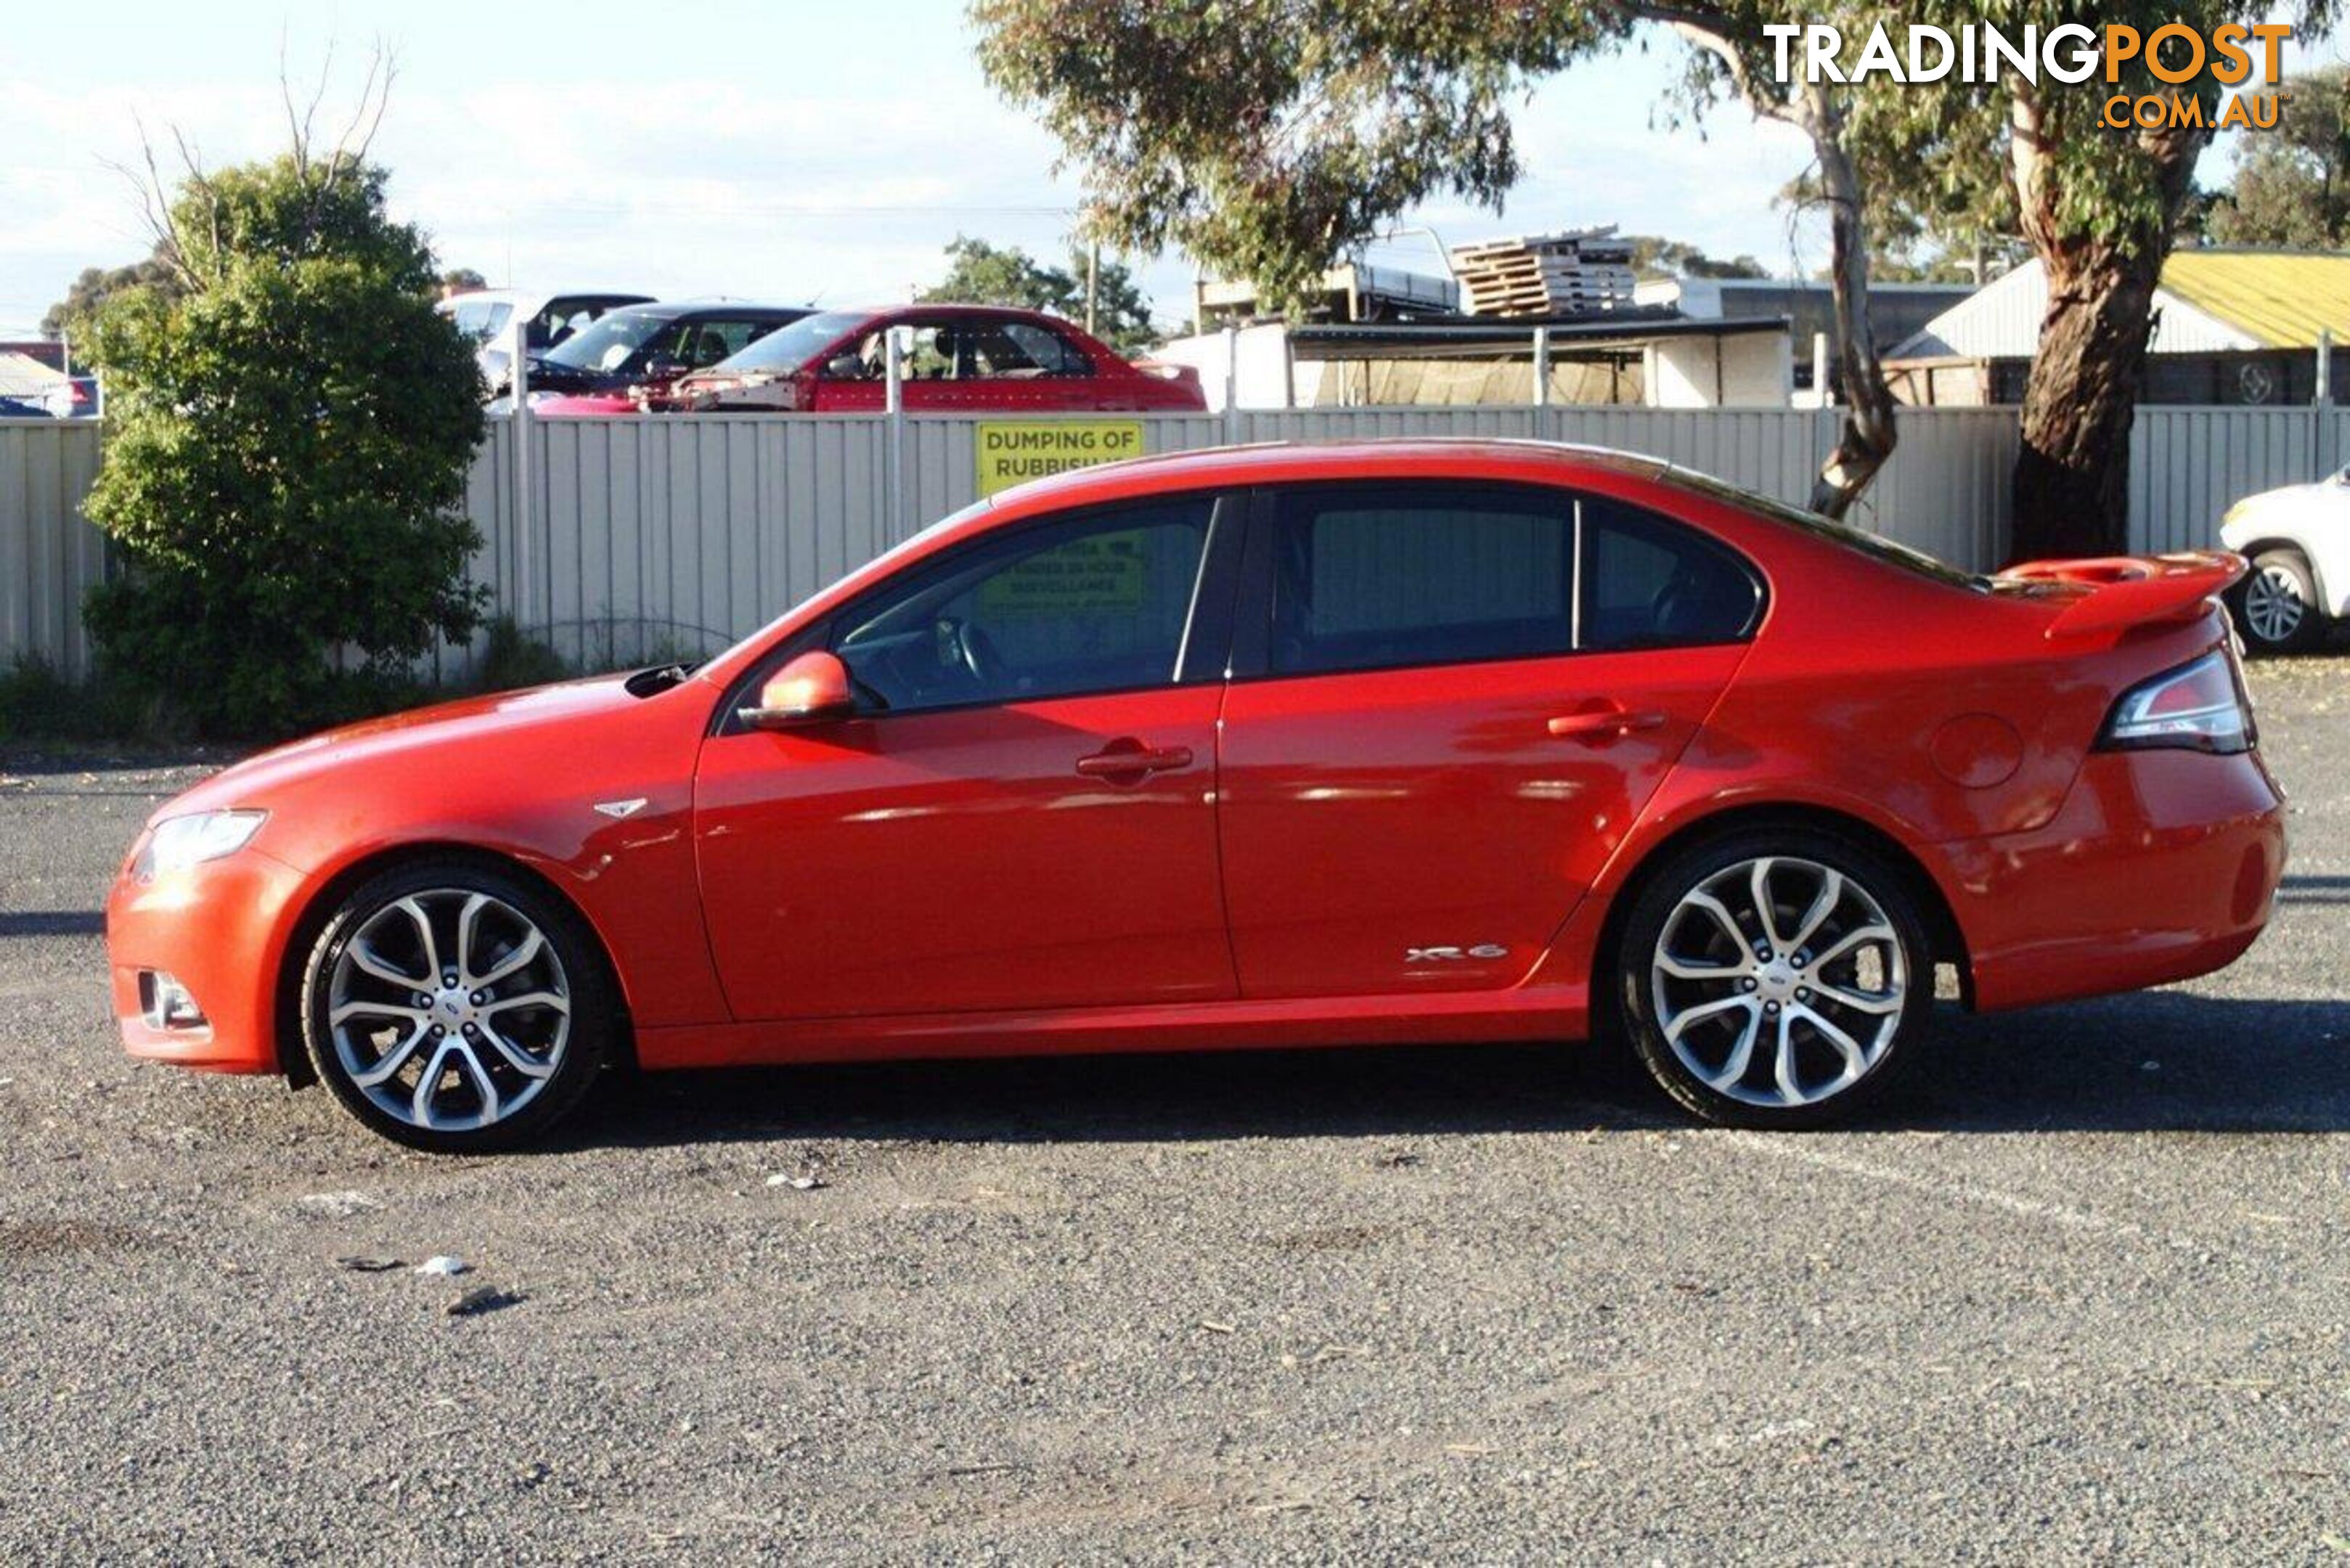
1571 273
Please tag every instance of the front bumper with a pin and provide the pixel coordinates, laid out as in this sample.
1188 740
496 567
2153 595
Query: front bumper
219 929
2161 866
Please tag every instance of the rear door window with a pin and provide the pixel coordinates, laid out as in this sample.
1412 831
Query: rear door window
1651 582
1376 576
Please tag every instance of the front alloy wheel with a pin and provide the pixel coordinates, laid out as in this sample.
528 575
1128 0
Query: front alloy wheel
1774 979
2276 604
453 1007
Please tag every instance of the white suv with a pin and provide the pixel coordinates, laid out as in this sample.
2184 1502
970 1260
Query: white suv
2298 538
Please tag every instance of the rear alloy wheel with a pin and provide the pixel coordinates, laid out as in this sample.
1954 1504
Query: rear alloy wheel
2276 604
454 1008
1775 979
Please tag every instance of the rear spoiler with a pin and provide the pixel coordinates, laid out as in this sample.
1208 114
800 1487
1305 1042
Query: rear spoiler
2133 590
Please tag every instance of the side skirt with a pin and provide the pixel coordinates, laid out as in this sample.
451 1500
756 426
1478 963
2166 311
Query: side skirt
1530 1012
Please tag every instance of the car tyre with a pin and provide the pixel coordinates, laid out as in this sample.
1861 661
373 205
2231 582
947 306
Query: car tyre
2276 606
454 968
1797 1018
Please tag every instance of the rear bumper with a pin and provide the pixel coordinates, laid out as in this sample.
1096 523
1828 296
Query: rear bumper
2161 866
218 930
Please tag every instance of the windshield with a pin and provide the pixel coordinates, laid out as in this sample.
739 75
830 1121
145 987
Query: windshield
607 343
1875 546
782 352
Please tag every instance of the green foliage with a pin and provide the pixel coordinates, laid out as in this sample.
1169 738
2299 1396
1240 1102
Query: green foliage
290 436
70 316
511 659
1943 161
2291 186
36 703
981 274
1655 257
461 280
1264 137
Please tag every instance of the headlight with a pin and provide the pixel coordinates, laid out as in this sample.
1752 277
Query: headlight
180 842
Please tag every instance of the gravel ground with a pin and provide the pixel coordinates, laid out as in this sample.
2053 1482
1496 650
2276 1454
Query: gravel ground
2083 1292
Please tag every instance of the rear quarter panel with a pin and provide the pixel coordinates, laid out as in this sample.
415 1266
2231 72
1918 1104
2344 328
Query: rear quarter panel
1933 713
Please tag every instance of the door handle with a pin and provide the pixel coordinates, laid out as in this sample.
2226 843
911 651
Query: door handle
1604 722
1130 761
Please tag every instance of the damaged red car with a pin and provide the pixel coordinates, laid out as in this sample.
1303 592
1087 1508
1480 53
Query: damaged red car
953 358
1417 741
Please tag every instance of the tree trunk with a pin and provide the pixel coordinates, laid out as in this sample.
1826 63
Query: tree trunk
2072 476
1869 434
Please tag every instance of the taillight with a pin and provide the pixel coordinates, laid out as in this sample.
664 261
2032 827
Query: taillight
2199 706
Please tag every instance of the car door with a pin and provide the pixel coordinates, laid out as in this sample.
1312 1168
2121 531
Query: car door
1457 699
1022 813
1026 365
926 363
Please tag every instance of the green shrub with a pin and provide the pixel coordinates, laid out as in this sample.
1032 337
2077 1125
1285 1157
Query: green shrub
287 458
36 703
511 657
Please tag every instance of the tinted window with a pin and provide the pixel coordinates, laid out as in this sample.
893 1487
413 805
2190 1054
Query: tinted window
785 351
1377 577
708 339
1095 603
1022 350
613 342
1649 583
1890 552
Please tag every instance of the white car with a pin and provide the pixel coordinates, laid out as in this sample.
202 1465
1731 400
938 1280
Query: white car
2298 539
484 315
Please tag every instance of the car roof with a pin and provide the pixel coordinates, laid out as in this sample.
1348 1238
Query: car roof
669 309
533 300
1394 457
919 307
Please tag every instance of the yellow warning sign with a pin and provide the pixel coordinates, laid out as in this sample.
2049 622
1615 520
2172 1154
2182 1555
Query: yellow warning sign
1016 451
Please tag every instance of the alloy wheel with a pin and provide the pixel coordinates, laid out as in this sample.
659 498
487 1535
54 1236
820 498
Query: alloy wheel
1779 981
2273 604
449 1009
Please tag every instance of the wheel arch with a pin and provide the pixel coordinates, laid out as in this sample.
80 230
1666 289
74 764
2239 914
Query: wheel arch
319 907
1942 930
2253 549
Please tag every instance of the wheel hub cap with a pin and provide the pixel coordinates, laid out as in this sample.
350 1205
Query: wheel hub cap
449 1009
1779 981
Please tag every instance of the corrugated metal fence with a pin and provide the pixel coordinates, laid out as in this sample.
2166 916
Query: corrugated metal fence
49 556
653 536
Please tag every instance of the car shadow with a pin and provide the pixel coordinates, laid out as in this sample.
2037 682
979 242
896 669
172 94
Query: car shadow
2156 1061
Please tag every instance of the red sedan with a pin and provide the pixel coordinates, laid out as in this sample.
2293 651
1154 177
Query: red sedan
953 358
1417 742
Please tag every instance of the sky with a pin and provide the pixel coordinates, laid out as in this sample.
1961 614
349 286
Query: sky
789 150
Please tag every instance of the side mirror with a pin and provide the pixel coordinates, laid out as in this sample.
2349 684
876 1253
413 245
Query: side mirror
809 689
662 368
844 368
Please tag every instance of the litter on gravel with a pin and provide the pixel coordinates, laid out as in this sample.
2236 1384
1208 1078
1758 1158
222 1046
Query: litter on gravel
480 1299
796 1183
443 1265
339 1205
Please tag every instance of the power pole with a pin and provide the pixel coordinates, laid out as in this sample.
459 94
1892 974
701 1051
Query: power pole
1092 285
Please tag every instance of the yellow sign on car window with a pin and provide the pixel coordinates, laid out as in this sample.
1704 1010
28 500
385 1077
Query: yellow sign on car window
1016 451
